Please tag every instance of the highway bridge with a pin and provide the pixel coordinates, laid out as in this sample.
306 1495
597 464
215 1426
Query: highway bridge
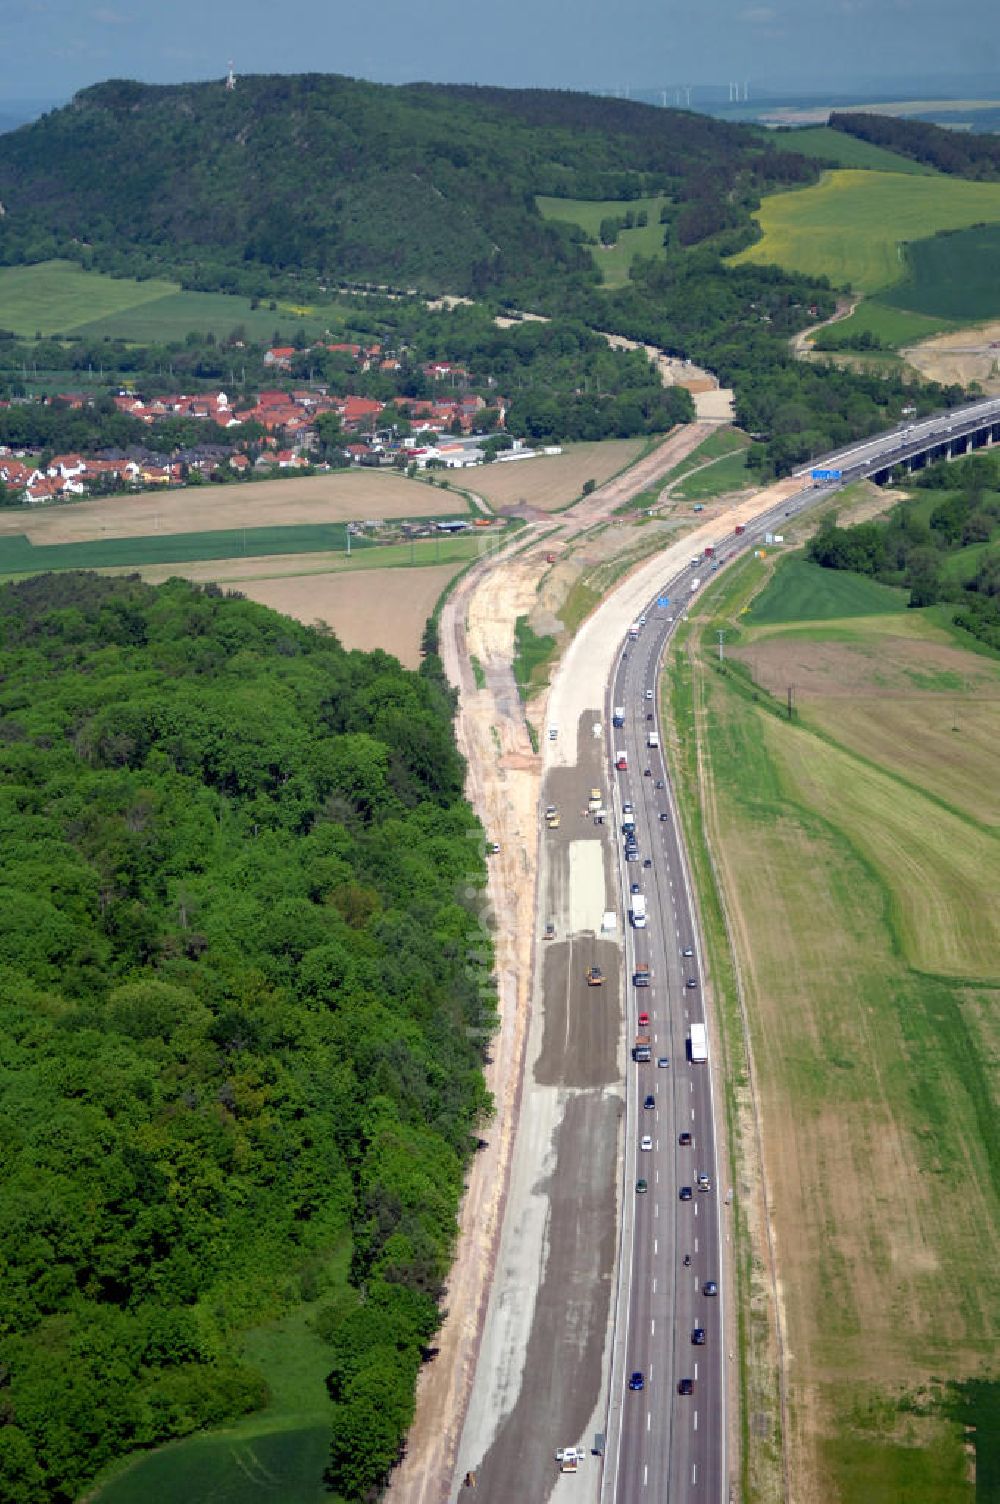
944 436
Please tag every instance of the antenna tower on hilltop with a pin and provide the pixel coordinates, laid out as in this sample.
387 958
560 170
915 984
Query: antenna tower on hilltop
230 77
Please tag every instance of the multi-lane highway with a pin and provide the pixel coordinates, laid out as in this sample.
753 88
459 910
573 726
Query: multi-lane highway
668 1444
663 1443
956 431
548 1375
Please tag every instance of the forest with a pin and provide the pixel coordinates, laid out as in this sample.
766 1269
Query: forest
963 154
951 555
230 189
737 321
245 997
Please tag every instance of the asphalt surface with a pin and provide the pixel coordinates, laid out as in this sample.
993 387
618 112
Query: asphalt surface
936 436
666 1444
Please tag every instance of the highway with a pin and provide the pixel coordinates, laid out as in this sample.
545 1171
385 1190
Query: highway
670 1444
568 1321
937 433
662 1444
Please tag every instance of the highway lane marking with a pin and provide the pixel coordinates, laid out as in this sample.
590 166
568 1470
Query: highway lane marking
696 1375
694 1473
695 1420
652 1326
654 1286
656 1245
645 1476
649 1421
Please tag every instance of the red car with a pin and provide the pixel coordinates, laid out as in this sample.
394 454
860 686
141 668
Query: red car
643 1020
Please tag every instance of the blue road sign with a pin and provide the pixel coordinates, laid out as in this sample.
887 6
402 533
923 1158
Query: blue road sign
827 474
663 600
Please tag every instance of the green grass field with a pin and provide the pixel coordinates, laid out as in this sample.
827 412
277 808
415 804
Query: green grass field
853 224
800 591
952 276
59 297
728 473
19 556
861 902
723 444
841 150
277 1455
894 327
963 564
614 262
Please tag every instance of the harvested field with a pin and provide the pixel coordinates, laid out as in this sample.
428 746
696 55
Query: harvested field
366 610
342 496
858 854
922 709
872 1082
934 865
552 481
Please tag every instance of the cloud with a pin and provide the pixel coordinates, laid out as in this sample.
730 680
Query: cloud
758 15
108 17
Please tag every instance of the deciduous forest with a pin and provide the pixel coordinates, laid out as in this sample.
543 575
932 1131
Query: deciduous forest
244 1001
946 551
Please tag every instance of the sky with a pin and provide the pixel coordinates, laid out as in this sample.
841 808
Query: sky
809 46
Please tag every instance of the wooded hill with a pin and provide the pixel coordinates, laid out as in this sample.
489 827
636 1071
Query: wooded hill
243 1006
425 185
962 154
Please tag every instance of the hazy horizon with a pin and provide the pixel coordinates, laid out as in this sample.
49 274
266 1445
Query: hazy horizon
780 46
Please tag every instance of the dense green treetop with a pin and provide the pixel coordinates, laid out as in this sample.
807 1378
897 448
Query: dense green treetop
239 1022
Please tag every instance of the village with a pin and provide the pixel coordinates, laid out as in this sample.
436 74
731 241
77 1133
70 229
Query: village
277 432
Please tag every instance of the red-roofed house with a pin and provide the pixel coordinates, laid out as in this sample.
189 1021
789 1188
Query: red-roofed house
280 356
355 411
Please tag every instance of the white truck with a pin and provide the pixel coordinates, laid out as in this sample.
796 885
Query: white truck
694 585
699 1044
653 739
568 1458
618 716
638 911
